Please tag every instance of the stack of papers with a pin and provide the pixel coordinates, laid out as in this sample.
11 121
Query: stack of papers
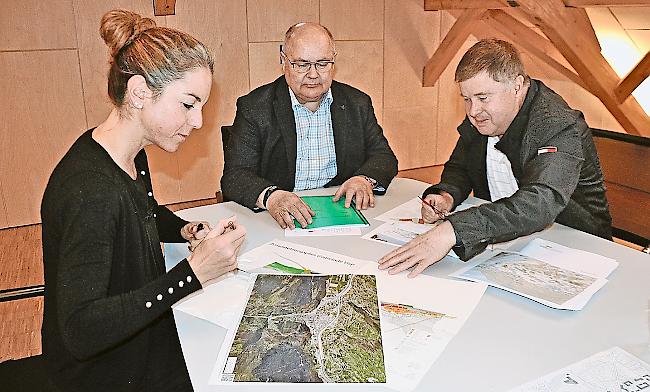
546 272
609 370
332 218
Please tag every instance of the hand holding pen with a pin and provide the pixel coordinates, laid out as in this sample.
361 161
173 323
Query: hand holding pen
195 232
436 207
216 253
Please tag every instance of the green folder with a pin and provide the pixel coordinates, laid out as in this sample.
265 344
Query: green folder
329 213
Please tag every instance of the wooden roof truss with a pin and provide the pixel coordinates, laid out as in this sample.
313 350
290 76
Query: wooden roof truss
568 45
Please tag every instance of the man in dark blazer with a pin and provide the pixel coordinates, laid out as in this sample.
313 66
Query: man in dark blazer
305 131
521 147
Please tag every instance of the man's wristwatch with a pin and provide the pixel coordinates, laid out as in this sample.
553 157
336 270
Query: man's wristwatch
267 194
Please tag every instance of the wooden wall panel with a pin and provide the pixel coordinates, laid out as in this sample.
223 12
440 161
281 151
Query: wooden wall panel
411 37
268 20
222 26
413 143
264 60
37 24
451 109
4 222
360 64
39 122
363 19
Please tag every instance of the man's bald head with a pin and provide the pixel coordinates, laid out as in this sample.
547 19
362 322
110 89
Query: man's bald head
307 31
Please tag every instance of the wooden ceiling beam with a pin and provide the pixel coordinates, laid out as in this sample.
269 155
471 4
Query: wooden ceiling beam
437 5
606 3
565 31
633 79
450 45
530 41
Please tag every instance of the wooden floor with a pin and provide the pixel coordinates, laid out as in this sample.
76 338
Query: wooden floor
21 265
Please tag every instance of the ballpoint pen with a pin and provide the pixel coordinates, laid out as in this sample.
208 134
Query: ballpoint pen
441 214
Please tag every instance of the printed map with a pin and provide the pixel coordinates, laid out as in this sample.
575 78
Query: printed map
531 277
315 329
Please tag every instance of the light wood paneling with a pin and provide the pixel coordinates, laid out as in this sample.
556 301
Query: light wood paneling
632 17
268 20
428 174
38 124
411 136
360 64
451 109
411 38
221 25
21 321
21 258
264 60
37 24
410 114
641 39
353 20
3 207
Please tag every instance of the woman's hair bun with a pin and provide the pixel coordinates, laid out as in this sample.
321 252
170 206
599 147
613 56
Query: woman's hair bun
119 28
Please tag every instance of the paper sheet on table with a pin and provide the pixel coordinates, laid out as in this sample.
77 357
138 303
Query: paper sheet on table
419 317
554 279
412 210
574 259
399 233
609 370
220 302
323 232
294 256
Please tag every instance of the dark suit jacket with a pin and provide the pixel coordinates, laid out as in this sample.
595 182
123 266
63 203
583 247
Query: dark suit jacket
262 145
564 186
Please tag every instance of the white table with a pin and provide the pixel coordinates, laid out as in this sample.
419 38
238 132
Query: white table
507 341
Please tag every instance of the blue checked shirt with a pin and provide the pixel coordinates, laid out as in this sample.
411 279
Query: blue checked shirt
315 155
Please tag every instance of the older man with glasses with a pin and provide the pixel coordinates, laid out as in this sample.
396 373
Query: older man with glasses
305 131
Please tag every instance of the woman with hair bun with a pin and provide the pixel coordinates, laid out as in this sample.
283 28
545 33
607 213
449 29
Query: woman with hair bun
108 324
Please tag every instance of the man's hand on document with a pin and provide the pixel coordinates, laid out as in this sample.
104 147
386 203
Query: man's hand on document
421 252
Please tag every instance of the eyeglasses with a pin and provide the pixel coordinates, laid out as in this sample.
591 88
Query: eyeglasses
302 67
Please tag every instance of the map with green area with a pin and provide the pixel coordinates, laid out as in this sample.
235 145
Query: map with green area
309 329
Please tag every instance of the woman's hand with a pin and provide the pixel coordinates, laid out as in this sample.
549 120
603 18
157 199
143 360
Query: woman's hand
216 254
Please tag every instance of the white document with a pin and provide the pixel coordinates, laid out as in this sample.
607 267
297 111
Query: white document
561 279
294 256
609 370
397 233
412 209
323 231
574 259
220 302
419 317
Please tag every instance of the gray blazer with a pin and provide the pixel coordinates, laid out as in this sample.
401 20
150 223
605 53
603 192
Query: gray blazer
564 186
262 146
